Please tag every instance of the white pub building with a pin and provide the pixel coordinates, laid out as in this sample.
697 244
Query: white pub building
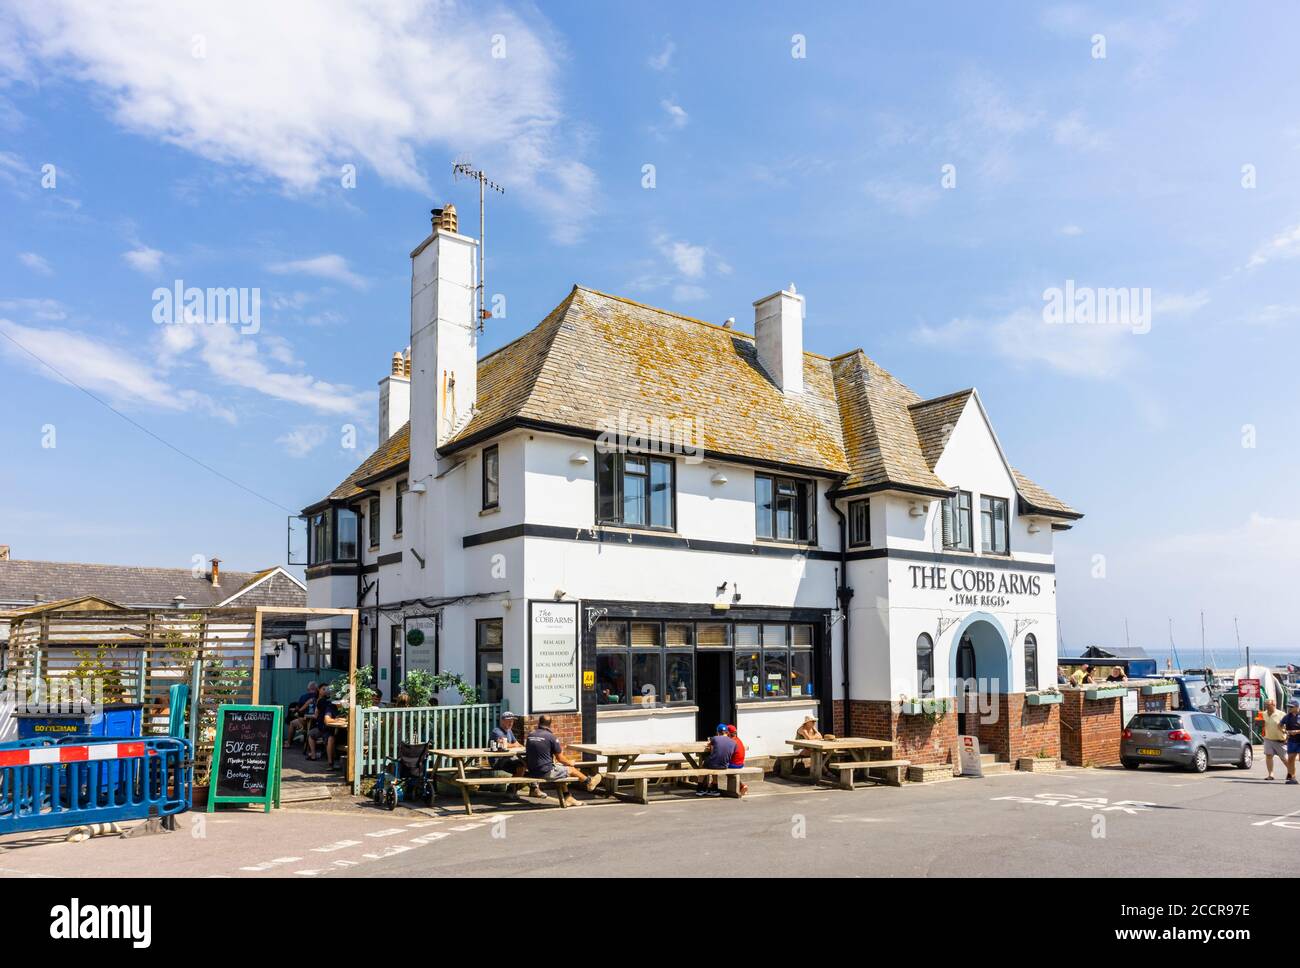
645 524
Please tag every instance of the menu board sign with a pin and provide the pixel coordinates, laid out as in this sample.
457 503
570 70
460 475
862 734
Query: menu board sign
553 657
246 756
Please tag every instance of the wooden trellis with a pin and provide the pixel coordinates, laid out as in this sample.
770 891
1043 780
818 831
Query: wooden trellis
138 655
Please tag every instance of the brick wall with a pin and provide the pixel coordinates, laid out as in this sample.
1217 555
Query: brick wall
1155 704
915 738
567 728
1090 729
1039 728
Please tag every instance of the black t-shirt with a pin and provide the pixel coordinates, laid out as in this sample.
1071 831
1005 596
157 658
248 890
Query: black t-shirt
540 752
325 707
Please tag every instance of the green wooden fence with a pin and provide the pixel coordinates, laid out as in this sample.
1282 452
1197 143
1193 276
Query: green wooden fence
279 687
379 731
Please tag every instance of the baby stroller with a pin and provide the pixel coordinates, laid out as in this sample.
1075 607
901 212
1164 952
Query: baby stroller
405 777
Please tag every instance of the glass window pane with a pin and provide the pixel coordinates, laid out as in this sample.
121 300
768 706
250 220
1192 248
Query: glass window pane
748 685
646 686
645 633
634 493
347 535
607 486
746 636
1031 663
491 477
611 678
490 676
679 678
401 490
924 665
776 672
775 636
801 678
489 633
374 521
763 506
713 635
611 634
661 494
785 517
678 633
1000 525
801 635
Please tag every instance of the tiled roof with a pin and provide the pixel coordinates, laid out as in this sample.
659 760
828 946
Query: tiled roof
23 581
1039 499
598 360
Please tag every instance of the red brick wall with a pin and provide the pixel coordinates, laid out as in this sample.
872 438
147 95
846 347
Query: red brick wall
915 738
1039 728
567 728
1090 729
1164 700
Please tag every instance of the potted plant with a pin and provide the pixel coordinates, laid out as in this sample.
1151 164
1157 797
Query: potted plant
1103 691
1159 688
1045 697
932 709
1043 762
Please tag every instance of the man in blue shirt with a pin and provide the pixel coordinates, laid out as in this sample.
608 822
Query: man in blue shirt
1291 723
503 738
323 727
546 761
301 712
721 749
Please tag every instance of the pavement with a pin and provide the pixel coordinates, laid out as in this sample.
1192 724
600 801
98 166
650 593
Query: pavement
1105 822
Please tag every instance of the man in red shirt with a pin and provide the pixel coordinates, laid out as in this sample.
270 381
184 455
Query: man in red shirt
737 758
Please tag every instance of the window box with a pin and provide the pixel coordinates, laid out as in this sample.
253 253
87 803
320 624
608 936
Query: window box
1104 692
925 707
1044 698
1160 689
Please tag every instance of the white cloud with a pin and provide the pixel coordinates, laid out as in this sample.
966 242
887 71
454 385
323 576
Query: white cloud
1070 231
36 263
901 197
1284 245
119 375
294 89
301 441
143 259
328 266
985 106
686 258
1073 131
1024 338
677 115
1178 303
663 60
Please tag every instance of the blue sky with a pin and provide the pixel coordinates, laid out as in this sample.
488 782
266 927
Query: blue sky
207 147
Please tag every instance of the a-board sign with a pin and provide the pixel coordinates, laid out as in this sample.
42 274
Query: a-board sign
246 756
971 764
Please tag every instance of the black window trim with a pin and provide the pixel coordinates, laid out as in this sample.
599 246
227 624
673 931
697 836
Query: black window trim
401 489
921 691
495 452
373 522
650 458
1031 646
1006 524
970 523
331 516
479 624
789 649
663 650
810 539
864 505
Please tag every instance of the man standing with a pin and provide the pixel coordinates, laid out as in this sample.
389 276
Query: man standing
1274 736
546 761
1291 724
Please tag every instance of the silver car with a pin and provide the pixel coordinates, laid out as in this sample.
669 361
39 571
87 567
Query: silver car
1184 738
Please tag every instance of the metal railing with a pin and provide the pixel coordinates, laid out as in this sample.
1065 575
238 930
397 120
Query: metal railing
380 730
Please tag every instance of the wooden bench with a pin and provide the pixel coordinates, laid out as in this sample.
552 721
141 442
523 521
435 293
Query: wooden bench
640 779
476 782
783 764
847 768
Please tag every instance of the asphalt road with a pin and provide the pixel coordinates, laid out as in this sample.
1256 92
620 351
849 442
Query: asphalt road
1107 822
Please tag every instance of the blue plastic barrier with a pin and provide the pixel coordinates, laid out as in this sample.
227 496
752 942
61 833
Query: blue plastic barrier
66 783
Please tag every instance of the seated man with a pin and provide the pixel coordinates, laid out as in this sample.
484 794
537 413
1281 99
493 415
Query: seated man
546 761
503 738
721 749
808 731
322 727
301 713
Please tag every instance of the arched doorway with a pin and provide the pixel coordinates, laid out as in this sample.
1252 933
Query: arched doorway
980 666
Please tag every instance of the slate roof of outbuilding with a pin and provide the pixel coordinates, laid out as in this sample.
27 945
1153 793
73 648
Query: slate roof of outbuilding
21 581
597 355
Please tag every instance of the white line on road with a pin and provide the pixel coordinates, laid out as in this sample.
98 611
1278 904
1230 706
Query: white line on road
390 832
1265 823
337 845
388 852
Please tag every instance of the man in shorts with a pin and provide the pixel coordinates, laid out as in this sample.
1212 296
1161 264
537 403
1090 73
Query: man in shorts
1291 724
1274 736
545 760
721 749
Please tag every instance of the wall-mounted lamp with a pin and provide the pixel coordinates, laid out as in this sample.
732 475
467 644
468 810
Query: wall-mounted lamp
579 457
1033 527
559 594
419 487
719 478
916 510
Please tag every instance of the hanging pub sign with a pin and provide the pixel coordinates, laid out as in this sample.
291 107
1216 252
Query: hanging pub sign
553 657
421 638
246 756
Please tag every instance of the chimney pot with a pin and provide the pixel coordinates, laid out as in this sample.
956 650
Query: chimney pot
216 573
4 552
778 338
445 218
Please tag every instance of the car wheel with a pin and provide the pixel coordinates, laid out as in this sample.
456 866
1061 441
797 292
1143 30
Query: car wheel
1130 764
1200 762
1247 758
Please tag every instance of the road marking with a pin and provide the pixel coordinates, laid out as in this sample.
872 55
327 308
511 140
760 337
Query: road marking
267 865
1280 821
390 851
337 845
466 826
390 832
429 838
1100 804
424 823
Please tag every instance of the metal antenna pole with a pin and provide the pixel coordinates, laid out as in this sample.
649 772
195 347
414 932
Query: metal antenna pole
463 169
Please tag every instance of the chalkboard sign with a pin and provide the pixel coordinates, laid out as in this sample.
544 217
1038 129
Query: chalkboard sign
246 756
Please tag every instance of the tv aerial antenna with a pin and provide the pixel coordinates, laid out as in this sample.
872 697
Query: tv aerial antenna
464 168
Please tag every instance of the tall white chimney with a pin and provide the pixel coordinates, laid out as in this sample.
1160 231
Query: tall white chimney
778 337
395 396
444 338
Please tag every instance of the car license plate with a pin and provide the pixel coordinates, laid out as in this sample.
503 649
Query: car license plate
1147 751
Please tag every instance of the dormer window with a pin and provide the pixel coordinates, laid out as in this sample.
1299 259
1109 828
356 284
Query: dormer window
955 520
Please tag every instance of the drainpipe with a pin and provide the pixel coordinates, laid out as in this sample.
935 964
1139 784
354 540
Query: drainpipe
844 594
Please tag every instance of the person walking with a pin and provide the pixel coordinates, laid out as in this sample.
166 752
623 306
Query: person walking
1274 736
1291 724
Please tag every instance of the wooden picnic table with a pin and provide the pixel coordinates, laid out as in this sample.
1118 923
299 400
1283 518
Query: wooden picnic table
826 751
619 757
459 759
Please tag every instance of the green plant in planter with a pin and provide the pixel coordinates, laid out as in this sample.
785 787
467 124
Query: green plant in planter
422 686
362 694
1043 754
